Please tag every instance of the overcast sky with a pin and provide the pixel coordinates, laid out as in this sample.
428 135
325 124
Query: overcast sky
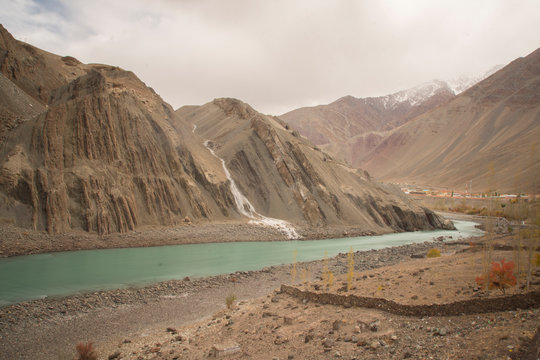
280 55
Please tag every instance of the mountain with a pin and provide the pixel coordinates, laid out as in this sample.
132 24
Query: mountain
489 134
91 147
463 83
350 128
286 177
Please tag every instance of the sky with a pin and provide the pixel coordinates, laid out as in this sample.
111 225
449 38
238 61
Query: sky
278 55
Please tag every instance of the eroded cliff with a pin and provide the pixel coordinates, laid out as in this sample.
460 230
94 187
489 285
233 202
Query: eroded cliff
99 153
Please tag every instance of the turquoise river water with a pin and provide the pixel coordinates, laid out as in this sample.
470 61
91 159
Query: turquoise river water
37 276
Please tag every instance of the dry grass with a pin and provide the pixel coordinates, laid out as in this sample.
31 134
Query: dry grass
229 300
433 253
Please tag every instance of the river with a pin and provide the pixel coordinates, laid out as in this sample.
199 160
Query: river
57 274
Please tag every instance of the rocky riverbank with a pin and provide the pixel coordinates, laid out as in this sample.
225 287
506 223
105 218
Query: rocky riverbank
108 317
419 308
15 241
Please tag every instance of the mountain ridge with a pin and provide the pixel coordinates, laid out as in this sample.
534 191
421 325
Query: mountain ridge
497 124
487 134
301 183
93 160
349 128
90 147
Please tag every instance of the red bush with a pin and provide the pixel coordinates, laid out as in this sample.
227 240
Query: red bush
86 351
500 277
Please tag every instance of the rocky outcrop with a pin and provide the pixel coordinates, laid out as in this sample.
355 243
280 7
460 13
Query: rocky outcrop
295 171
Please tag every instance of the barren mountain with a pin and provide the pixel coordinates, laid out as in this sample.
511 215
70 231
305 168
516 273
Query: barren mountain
91 147
350 128
285 177
488 134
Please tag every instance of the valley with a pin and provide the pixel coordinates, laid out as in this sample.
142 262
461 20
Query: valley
49 275
252 236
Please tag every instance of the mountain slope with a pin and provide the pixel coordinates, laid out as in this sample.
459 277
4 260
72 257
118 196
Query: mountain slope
495 122
91 147
349 128
94 148
285 177
463 83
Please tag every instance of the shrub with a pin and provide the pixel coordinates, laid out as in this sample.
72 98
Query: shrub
500 277
305 275
86 351
229 300
433 253
330 279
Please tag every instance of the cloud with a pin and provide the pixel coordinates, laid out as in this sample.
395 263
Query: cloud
279 55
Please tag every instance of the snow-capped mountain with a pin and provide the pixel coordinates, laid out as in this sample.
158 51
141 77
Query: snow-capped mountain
494 122
464 82
421 93
350 127
414 96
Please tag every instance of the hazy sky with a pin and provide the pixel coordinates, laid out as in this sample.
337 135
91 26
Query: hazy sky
279 55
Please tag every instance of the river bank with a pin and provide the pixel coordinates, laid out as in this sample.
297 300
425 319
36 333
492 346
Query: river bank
15 241
59 274
49 328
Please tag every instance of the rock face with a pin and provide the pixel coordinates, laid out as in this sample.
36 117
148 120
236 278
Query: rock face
97 150
286 177
349 128
91 147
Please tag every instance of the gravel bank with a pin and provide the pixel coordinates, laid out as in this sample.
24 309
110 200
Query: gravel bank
15 241
49 328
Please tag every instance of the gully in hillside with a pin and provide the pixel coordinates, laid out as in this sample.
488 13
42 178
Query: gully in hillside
245 207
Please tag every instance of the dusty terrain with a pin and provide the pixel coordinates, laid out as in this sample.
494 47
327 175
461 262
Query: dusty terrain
187 319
